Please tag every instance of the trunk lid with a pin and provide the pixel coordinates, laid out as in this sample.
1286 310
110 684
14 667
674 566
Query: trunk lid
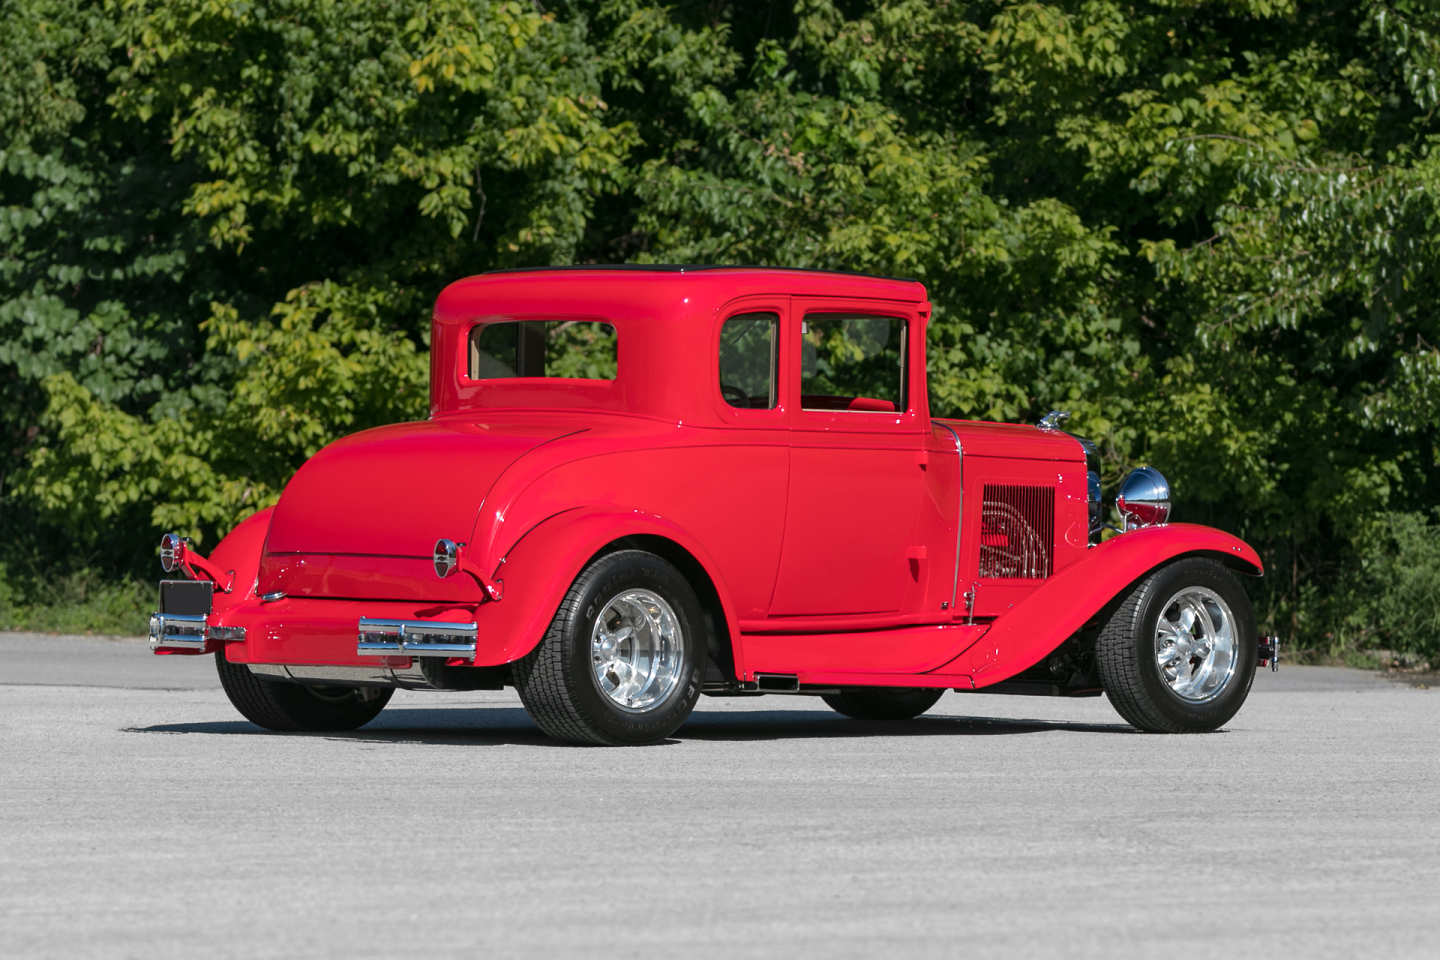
360 519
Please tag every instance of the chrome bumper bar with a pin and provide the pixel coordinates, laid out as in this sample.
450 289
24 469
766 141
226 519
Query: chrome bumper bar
414 638
187 632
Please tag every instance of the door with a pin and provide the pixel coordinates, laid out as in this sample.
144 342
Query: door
853 541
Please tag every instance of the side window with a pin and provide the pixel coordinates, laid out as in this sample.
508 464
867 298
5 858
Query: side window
579 349
747 360
853 361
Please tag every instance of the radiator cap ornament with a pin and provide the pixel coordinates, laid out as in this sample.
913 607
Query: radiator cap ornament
1144 498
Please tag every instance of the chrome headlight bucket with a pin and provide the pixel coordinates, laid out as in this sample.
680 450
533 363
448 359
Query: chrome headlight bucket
446 557
1144 498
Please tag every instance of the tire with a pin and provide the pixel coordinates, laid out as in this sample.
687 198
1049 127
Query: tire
1175 676
277 705
586 681
862 703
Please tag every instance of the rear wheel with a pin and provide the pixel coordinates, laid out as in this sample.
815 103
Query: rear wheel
621 661
1178 654
864 703
277 705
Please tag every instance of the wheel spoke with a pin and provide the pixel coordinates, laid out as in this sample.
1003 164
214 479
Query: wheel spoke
1187 619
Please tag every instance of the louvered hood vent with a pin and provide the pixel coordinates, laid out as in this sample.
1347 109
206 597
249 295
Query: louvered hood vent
1017 532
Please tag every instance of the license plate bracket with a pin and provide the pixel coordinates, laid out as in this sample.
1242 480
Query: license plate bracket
193 597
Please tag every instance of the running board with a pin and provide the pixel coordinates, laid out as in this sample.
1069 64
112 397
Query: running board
414 638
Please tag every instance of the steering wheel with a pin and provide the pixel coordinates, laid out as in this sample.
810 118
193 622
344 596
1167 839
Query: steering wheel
734 395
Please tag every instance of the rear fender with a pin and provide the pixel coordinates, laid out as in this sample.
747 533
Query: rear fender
538 570
1022 636
239 553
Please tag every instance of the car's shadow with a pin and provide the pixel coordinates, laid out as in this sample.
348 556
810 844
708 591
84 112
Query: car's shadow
511 725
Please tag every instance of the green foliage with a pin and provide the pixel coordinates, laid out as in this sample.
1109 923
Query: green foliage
576 348
1207 229
1400 569
82 601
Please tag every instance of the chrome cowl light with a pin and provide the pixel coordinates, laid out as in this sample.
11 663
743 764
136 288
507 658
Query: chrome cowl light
1144 498
172 552
446 557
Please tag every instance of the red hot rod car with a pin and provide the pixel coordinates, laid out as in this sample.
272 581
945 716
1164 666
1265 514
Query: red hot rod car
636 486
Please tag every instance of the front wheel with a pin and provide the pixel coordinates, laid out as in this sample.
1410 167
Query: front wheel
878 703
1178 654
277 705
621 661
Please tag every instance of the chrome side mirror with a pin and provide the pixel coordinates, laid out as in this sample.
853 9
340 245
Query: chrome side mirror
1144 498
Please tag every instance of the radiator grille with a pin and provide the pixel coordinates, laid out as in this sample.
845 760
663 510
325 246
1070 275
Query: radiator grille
1017 527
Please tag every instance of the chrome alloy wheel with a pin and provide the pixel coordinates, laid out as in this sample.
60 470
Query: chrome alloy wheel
637 650
1195 641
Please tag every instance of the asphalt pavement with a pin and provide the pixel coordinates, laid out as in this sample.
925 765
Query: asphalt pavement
141 816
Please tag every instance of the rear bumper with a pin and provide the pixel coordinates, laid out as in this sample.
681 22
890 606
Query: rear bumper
188 633
308 631
415 638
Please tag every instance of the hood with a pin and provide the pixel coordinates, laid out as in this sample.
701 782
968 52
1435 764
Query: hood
1015 441
393 491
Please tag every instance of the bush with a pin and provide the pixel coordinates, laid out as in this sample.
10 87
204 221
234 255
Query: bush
80 602
1399 603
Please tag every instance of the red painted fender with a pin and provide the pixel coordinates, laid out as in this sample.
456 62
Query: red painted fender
1022 636
541 566
240 552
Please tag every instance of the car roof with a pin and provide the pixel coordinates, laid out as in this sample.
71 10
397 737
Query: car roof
709 282
698 267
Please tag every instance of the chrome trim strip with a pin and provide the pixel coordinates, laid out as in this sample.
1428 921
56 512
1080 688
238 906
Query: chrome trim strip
959 511
431 649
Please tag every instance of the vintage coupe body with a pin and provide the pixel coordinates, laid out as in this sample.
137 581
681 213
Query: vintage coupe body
639 485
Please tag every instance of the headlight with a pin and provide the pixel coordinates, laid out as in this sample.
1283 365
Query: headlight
1144 498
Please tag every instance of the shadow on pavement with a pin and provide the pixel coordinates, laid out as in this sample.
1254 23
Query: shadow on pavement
788 724
511 725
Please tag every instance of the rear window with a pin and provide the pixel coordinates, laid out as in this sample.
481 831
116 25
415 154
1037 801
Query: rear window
573 349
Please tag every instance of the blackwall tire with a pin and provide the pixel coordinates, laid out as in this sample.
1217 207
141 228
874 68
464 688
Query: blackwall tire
1161 652
863 703
621 661
277 705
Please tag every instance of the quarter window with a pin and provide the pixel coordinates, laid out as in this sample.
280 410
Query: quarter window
747 360
853 362
576 349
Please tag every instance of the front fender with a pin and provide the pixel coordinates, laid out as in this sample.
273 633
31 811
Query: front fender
1022 636
538 570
